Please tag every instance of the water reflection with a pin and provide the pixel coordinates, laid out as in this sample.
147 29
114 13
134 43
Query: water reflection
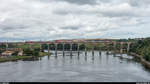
93 59
85 58
48 57
78 57
32 59
100 57
78 68
107 58
40 58
55 56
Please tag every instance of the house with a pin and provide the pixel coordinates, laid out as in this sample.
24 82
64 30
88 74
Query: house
20 53
7 53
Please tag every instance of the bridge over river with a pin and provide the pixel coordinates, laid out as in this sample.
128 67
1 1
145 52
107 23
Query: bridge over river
71 42
75 66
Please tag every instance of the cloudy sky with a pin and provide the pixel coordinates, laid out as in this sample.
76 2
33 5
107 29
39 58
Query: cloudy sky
71 19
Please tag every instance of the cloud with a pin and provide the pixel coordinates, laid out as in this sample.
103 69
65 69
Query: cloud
81 2
71 27
58 19
78 2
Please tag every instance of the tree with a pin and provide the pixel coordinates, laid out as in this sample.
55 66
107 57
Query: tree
36 51
28 51
15 53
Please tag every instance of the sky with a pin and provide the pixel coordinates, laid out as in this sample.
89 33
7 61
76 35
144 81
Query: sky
73 19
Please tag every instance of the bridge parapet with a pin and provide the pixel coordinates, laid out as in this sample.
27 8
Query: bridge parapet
52 42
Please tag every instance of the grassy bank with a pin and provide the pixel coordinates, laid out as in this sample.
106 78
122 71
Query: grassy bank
145 62
43 54
14 58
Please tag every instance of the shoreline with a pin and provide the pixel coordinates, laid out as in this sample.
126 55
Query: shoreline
143 61
15 58
41 54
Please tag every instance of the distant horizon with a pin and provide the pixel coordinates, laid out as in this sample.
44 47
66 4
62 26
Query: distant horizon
72 39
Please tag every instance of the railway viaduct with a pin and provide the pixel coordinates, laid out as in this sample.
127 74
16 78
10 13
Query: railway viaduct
78 42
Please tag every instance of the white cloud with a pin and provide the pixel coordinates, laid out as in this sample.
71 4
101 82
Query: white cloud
55 19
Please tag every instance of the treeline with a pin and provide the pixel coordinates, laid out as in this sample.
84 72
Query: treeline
142 47
34 51
27 51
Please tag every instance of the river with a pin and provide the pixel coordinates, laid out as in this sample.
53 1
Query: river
104 68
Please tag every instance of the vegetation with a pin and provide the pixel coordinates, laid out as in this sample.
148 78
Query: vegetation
1 51
142 47
27 53
35 51
14 58
15 53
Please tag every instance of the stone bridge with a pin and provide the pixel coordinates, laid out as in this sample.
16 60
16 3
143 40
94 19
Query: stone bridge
78 42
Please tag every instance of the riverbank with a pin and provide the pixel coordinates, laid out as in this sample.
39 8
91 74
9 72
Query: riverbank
15 58
43 54
141 59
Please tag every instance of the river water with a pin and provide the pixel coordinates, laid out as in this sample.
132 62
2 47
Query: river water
104 68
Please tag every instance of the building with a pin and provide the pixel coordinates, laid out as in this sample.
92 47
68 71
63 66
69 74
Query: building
7 53
20 53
